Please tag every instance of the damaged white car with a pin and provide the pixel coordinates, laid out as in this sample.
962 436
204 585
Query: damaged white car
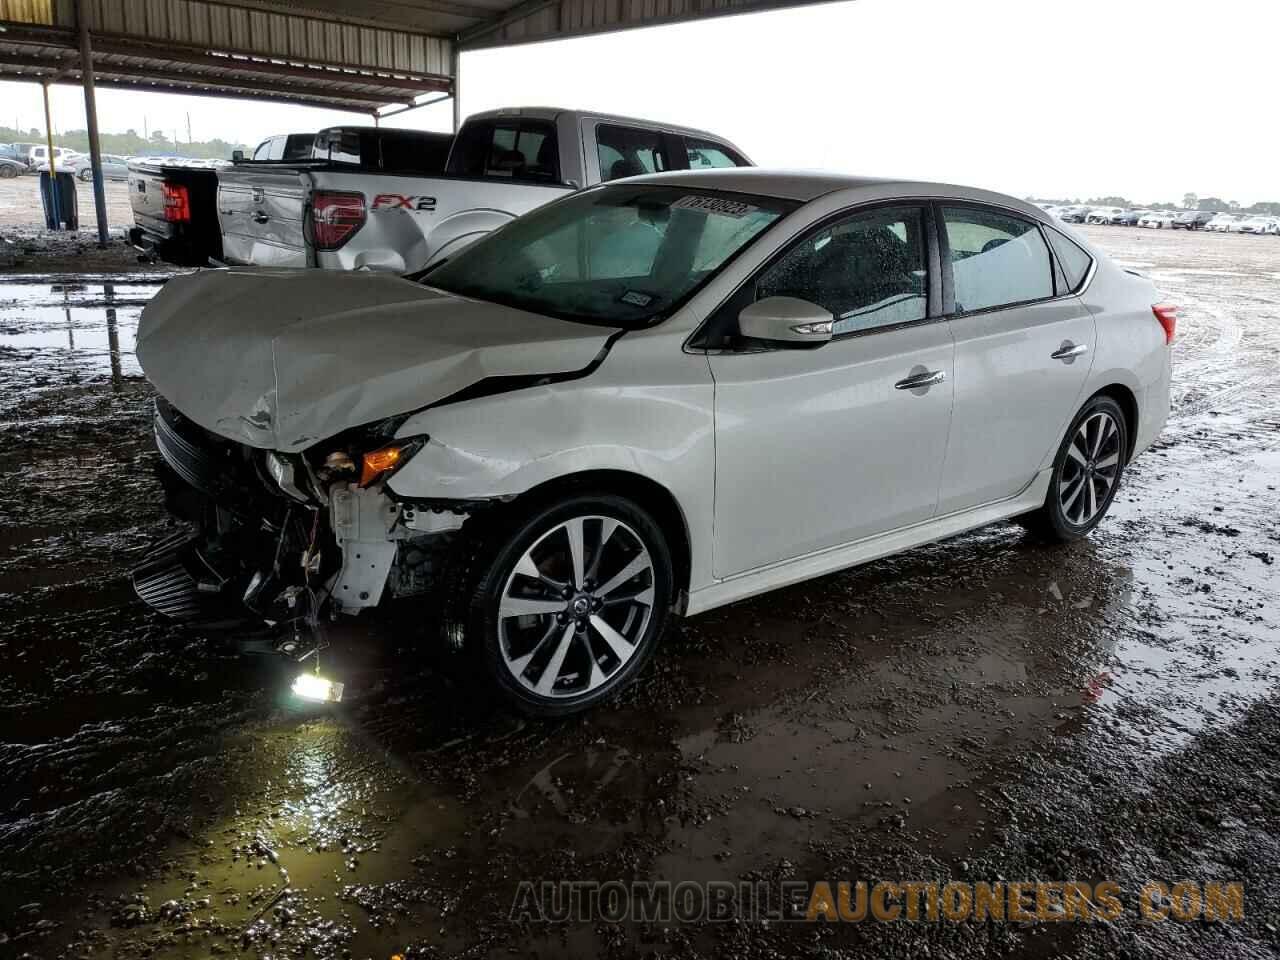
646 399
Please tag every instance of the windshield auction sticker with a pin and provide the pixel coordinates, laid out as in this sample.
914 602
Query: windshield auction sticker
725 208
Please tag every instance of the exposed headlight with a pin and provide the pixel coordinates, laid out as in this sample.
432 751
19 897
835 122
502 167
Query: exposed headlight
281 471
382 463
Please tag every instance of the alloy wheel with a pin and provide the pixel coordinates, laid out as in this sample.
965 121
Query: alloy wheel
1091 468
575 607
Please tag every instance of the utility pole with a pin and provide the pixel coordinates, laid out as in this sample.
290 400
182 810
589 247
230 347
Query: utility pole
188 129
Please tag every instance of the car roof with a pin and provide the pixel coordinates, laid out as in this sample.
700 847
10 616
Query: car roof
806 185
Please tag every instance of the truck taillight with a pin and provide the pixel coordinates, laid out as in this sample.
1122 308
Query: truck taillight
335 218
1167 314
177 203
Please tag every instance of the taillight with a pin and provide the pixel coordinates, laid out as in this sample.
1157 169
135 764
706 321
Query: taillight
335 218
1167 314
177 202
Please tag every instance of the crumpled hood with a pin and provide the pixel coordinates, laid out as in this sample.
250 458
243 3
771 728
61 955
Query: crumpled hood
280 359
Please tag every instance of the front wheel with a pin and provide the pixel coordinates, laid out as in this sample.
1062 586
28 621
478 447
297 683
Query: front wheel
86 174
1086 473
572 604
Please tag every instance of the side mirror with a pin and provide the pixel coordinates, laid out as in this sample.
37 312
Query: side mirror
786 321
237 156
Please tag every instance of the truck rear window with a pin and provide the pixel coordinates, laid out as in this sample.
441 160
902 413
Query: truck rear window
516 149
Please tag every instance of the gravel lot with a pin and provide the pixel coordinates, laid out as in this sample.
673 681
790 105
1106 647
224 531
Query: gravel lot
983 709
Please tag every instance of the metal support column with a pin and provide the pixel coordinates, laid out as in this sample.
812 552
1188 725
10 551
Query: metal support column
457 85
48 130
91 114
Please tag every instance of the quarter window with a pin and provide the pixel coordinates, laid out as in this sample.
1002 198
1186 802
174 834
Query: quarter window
996 260
1073 260
630 152
703 154
869 270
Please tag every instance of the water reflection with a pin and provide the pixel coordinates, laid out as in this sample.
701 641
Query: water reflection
90 324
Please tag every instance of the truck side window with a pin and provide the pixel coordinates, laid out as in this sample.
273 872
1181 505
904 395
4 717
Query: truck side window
704 154
630 152
518 149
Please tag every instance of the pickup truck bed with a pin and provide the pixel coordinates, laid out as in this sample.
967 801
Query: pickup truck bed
405 220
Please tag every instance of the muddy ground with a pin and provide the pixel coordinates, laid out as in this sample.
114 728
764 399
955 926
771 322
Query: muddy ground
985 709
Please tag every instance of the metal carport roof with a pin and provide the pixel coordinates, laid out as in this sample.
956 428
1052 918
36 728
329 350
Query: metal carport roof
330 53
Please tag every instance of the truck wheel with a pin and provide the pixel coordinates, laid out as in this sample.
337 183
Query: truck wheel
572 602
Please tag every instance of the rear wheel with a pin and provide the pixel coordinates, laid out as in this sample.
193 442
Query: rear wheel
572 603
1086 473
86 174
8 172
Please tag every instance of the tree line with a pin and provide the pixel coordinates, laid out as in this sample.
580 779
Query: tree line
129 144
1189 202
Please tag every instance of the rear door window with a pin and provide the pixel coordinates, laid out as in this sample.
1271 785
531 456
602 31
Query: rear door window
996 259
630 151
514 149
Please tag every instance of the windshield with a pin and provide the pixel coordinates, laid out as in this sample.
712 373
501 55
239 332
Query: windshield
621 255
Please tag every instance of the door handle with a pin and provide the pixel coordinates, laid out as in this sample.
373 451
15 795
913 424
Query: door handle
1069 351
260 218
927 379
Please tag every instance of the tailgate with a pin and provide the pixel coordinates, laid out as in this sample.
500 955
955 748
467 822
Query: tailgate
146 198
261 215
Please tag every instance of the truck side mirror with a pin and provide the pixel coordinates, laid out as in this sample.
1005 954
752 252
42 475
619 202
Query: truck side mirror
237 156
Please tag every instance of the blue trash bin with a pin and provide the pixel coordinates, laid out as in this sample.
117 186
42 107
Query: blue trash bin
61 205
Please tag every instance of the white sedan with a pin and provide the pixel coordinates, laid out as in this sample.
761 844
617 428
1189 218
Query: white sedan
642 401
1157 219
1259 225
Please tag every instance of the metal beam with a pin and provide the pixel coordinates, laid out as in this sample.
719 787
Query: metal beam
407 107
141 76
521 10
313 9
91 117
407 80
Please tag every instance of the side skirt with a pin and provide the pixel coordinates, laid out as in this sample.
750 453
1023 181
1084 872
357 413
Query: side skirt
787 572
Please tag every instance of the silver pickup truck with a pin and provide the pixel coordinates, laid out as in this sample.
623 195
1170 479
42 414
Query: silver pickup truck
502 164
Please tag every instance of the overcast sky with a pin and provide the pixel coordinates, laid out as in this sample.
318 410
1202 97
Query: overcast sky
1144 98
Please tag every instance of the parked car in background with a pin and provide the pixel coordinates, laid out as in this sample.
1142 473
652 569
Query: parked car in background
1224 222
39 154
1192 220
1130 218
14 151
343 215
1157 219
10 168
1105 215
554 454
1074 214
114 167
1259 225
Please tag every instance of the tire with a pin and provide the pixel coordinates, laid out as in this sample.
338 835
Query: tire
1066 514
7 172
595 631
86 174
